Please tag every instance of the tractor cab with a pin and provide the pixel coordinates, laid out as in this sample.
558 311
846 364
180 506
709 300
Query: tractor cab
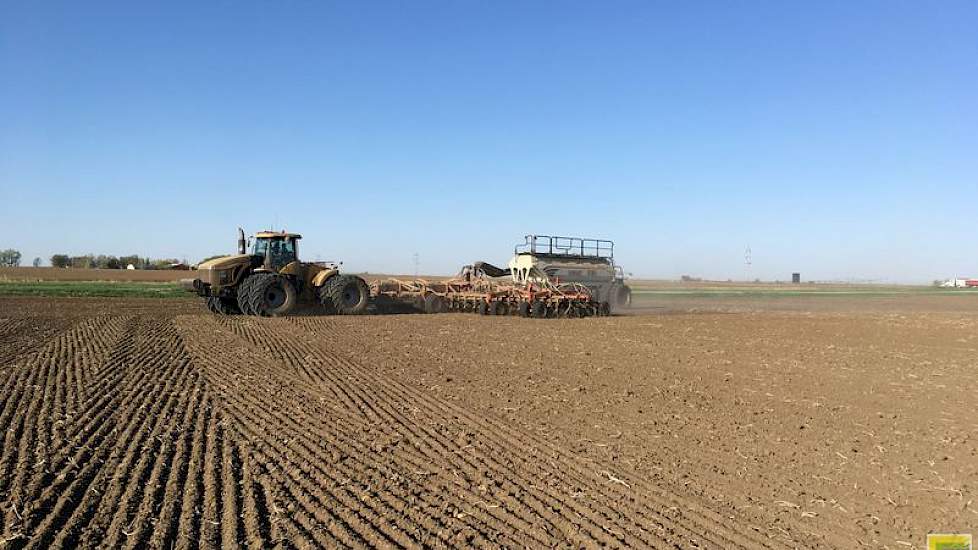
277 249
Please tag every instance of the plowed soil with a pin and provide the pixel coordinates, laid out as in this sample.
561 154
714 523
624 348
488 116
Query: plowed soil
153 423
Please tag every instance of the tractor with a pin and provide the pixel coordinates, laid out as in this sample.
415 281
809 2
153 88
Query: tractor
270 281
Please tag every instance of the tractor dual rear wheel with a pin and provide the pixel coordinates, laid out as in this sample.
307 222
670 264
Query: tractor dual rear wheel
345 295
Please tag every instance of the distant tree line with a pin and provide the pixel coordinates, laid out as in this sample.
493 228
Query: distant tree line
89 261
9 258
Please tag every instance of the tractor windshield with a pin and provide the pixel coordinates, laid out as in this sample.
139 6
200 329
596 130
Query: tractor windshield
282 251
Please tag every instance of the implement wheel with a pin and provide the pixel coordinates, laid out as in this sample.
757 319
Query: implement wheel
498 308
562 309
482 308
524 309
271 295
538 309
345 294
434 303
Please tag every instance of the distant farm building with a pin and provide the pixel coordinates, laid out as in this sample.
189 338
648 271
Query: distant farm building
960 283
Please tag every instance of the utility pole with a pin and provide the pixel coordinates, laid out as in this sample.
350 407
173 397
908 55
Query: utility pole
417 261
747 263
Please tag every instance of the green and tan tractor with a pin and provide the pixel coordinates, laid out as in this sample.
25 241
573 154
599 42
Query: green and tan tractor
271 281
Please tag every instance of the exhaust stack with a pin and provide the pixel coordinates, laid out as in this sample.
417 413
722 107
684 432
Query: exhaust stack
241 242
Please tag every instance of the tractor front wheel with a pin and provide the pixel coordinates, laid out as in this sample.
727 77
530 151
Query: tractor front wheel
222 306
271 295
244 294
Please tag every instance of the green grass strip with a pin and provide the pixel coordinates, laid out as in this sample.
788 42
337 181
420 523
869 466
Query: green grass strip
91 289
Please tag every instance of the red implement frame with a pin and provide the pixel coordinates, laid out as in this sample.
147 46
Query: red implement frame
483 295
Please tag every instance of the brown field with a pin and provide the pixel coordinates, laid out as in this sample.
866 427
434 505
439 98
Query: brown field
695 422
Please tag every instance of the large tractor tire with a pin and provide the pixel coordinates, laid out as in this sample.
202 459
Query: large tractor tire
271 295
345 295
243 290
222 306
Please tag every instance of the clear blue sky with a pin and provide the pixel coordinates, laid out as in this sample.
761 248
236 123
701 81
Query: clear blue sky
839 139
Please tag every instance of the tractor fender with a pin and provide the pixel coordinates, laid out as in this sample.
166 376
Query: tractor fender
238 275
321 277
292 268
